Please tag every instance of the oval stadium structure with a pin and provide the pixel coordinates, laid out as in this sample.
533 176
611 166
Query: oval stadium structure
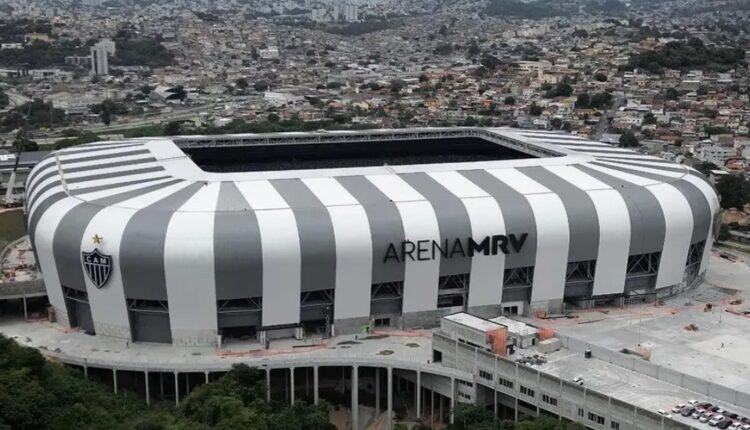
189 239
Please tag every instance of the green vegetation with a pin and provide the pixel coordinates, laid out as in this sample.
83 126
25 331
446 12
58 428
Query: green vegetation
360 28
77 139
734 191
563 89
532 10
12 227
628 140
41 395
14 30
35 114
140 51
4 100
693 54
41 54
470 417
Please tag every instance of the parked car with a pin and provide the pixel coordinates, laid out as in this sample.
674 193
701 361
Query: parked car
731 415
697 414
664 413
678 407
687 411
706 416
735 426
716 419
578 380
692 402
724 424
745 427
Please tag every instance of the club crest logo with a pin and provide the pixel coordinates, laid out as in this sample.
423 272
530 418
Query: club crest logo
98 267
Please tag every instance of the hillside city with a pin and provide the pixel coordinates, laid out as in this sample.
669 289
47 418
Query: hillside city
664 78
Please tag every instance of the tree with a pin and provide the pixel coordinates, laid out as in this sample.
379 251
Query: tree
510 100
4 100
672 94
443 30
261 86
397 85
273 117
562 89
724 234
473 50
556 123
583 100
173 128
734 191
649 119
491 62
628 140
600 77
601 100
242 83
535 110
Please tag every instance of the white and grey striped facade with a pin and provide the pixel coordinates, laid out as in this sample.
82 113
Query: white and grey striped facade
194 253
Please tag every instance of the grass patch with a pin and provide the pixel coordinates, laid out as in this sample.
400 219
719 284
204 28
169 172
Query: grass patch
12 227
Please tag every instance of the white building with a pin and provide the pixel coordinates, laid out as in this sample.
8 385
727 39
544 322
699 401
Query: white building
100 54
716 154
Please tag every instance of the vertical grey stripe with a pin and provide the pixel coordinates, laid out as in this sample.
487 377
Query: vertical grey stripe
517 215
238 257
453 220
316 238
700 208
66 244
386 226
583 220
106 156
142 246
647 225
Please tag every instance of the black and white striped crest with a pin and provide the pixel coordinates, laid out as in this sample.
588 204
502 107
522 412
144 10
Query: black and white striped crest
98 267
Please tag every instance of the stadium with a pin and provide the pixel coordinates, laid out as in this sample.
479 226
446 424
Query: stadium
196 239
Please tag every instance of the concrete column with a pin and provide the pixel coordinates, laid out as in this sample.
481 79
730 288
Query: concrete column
440 407
432 408
25 310
377 390
176 388
291 386
114 379
418 389
161 385
85 370
355 397
316 398
148 392
453 398
389 418
206 373
268 385
494 391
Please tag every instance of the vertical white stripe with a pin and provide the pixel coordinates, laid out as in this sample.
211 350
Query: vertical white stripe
614 229
108 304
678 218
189 269
553 234
353 247
713 203
420 224
486 218
43 238
282 264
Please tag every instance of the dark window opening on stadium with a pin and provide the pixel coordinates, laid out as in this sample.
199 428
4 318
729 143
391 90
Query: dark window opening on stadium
386 301
79 310
579 279
239 319
641 272
316 312
453 291
517 284
149 320
694 259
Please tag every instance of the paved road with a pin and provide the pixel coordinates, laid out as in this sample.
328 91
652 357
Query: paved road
603 125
